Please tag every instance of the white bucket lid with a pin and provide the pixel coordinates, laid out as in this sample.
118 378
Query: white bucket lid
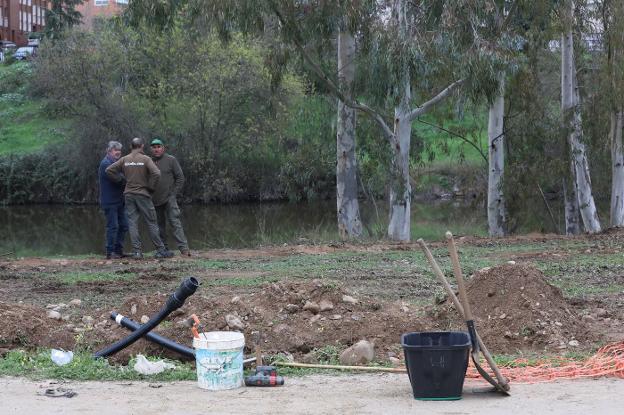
219 340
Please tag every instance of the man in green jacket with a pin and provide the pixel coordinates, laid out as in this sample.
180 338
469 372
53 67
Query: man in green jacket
142 176
164 197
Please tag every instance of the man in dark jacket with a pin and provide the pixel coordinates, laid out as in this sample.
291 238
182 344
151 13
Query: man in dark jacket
169 186
142 176
112 203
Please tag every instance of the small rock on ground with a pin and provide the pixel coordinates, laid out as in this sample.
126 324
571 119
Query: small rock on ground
55 315
360 353
312 307
234 322
349 300
325 305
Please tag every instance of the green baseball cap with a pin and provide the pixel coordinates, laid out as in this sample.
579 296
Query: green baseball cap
157 142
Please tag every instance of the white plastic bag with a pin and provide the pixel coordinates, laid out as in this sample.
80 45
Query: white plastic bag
145 367
61 357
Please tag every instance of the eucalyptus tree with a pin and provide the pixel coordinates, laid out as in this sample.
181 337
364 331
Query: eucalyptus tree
403 40
611 14
571 112
310 27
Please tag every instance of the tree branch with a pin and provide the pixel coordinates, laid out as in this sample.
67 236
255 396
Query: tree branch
424 108
331 85
465 139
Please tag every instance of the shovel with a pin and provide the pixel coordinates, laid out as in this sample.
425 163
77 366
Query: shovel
501 384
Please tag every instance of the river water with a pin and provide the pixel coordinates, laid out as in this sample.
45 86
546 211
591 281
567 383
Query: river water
49 230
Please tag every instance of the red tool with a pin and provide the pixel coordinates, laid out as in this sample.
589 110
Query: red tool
195 325
264 376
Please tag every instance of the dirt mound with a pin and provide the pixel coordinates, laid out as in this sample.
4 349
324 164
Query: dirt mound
277 312
517 309
28 326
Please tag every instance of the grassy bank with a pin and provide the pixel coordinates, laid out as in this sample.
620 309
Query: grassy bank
25 126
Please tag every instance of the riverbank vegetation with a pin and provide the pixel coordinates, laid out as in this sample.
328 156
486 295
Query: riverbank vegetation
246 98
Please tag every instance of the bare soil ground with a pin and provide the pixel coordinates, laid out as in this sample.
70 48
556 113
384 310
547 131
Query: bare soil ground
318 394
541 293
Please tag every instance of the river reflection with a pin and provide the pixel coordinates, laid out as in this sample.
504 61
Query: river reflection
75 230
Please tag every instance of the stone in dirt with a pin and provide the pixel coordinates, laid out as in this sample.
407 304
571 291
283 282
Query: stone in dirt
349 300
185 322
54 315
75 302
87 320
325 305
360 353
234 322
144 319
312 307
292 308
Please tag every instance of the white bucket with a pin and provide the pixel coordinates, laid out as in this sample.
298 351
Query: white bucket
219 359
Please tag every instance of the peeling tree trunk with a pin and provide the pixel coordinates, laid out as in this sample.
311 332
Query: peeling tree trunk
617 172
497 218
400 187
399 226
572 220
348 210
570 106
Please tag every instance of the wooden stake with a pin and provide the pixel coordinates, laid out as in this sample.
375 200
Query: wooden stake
340 367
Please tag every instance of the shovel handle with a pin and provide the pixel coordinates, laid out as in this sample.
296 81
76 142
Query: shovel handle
461 286
468 312
438 273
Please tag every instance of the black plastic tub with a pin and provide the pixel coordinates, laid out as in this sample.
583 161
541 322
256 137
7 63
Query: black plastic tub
436 363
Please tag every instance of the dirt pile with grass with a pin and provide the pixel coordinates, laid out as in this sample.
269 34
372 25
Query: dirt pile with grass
517 309
285 317
27 326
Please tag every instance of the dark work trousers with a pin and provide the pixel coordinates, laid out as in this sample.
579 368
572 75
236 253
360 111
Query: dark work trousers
170 213
116 227
139 206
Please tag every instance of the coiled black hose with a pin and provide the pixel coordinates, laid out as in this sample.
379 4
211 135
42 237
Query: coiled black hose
132 325
175 301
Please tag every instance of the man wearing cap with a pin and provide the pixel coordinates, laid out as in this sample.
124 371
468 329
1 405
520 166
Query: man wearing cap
112 203
142 176
164 197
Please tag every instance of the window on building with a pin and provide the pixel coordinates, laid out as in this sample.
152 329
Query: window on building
122 1
101 2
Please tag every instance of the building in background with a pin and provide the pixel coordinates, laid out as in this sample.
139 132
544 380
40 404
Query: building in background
18 18
94 9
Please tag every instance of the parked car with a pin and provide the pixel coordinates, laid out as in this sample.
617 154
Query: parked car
6 48
23 53
6 44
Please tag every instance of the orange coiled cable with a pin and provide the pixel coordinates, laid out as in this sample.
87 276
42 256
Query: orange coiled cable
608 361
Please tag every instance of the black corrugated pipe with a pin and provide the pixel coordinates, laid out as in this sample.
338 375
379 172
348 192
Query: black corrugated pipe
132 325
175 301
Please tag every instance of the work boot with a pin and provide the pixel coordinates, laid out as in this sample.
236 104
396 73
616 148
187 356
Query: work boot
113 255
122 254
186 252
137 255
163 254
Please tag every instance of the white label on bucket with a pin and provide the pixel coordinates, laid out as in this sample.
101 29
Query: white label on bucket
217 370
